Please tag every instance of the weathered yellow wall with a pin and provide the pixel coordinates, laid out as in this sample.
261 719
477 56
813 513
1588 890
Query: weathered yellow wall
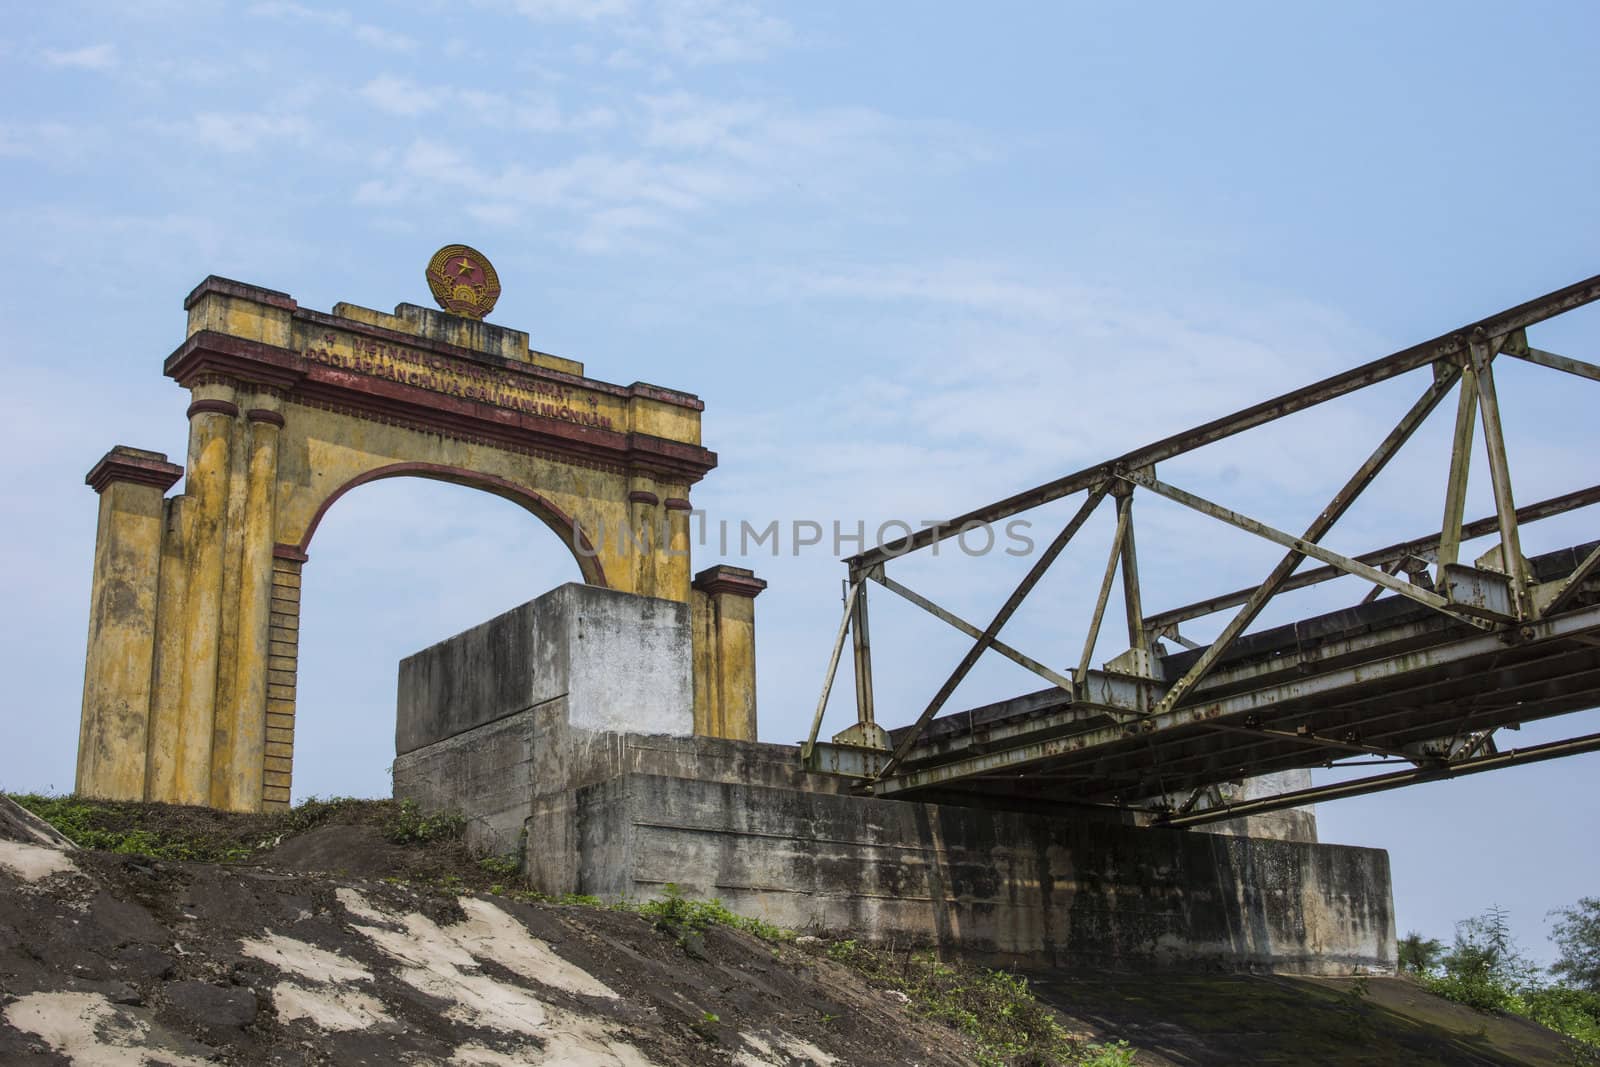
122 615
190 682
722 613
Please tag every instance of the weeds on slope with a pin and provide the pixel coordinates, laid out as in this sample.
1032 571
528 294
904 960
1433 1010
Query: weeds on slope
997 1010
201 835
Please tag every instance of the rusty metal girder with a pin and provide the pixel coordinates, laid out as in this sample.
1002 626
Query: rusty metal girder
1422 547
1471 650
1448 346
1378 783
1235 706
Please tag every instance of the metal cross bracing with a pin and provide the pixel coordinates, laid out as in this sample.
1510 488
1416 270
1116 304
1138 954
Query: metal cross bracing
1424 678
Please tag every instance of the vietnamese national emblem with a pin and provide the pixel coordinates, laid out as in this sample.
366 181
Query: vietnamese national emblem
463 281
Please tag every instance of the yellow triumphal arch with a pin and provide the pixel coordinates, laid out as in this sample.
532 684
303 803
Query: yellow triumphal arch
189 688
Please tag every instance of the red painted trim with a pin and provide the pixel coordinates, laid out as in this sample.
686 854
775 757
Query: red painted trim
641 496
725 579
559 521
123 464
265 415
677 503
208 352
289 552
421 343
220 407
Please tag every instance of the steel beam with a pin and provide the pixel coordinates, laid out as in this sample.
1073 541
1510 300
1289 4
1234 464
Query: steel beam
1574 581
1300 546
1494 442
833 669
1009 608
1421 547
1240 704
1446 347
1555 362
1380 457
1378 783
1056 679
1113 558
1455 493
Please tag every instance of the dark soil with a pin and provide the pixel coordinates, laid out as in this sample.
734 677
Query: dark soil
161 941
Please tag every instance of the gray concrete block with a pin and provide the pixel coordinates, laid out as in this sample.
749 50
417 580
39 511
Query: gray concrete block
623 662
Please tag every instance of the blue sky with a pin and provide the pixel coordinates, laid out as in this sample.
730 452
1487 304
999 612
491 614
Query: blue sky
914 257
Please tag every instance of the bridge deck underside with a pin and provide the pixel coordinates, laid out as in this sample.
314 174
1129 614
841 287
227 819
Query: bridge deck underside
1366 682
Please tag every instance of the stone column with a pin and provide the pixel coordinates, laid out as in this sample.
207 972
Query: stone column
641 537
117 677
672 573
166 744
211 422
242 714
724 611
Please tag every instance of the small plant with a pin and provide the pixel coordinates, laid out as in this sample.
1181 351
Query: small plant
678 914
997 1010
1107 1055
407 825
504 866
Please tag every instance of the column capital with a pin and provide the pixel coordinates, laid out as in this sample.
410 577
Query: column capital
723 578
136 465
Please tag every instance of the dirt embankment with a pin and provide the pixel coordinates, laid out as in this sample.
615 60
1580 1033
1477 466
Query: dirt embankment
337 945
364 933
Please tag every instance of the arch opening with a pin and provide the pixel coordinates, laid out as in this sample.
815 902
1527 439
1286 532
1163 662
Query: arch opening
410 559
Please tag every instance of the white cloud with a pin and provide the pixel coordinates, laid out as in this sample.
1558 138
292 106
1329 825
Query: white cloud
689 31
335 19
49 141
245 132
573 10
398 96
525 111
89 57
717 31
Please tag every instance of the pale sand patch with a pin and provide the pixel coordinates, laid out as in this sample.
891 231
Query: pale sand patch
581 1044
90 1031
492 933
439 962
307 961
33 863
806 1052
357 905
328 1009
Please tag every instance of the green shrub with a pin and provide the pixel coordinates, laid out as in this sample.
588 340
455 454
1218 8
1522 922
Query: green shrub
406 825
678 913
1117 1055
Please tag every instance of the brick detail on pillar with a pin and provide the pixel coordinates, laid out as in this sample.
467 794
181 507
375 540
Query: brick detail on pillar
284 637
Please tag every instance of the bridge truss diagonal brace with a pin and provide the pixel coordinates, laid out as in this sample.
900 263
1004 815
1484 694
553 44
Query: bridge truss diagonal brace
1008 609
1055 678
1425 548
1375 575
1445 376
1517 345
833 669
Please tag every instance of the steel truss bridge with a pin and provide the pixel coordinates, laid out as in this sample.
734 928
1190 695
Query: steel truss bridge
1424 677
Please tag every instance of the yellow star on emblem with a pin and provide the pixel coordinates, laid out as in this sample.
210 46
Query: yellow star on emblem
466 265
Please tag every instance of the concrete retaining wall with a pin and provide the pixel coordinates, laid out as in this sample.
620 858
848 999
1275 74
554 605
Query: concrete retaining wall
1018 889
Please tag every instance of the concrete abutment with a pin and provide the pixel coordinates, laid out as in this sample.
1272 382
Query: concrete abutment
563 729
